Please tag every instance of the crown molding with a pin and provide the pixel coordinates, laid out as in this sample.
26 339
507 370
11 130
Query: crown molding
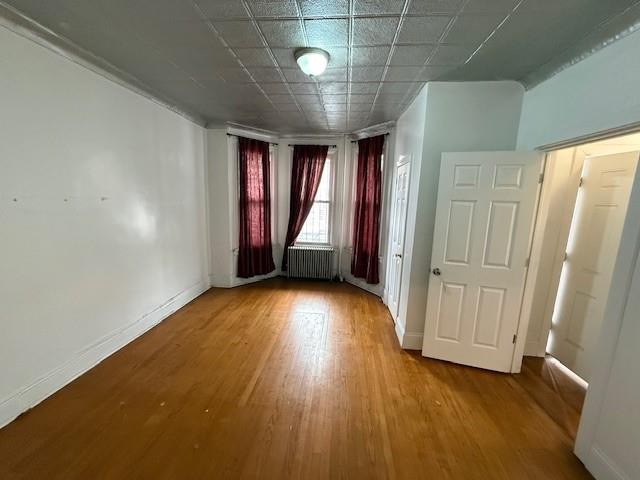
373 130
612 30
20 24
252 132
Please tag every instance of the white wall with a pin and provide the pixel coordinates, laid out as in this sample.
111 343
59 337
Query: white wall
470 116
221 173
599 93
102 219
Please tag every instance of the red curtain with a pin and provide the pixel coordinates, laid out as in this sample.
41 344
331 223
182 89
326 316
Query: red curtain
306 172
368 201
255 255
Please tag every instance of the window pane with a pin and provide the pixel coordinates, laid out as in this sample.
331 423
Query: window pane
316 227
324 189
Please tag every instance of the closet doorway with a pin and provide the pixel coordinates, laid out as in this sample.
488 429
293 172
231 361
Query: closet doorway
578 231
397 234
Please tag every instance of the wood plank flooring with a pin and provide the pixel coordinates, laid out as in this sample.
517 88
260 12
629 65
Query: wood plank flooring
558 393
282 380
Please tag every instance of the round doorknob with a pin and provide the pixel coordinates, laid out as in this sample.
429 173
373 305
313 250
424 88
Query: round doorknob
436 271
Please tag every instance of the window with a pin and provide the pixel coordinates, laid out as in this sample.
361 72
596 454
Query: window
317 226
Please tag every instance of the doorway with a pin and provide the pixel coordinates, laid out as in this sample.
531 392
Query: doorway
397 234
578 230
583 208
592 246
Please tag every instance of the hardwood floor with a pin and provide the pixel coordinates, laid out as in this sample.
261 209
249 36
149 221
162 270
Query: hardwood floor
285 380
558 393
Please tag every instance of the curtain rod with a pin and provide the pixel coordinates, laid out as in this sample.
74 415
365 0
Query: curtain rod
356 141
234 135
330 146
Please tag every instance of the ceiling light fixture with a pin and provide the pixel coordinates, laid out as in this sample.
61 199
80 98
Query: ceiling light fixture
312 61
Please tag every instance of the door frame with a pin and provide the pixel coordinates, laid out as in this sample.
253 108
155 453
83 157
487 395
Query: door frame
598 159
546 198
402 160
551 232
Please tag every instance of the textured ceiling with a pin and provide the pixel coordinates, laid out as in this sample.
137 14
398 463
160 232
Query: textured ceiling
232 60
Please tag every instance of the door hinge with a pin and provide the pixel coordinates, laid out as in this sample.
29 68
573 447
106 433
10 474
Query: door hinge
566 255
515 337
581 182
527 261
541 178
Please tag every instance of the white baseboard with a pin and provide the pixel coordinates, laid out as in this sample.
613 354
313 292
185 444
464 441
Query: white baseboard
533 349
237 282
31 395
412 341
219 282
399 332
408 340
602 467
356 282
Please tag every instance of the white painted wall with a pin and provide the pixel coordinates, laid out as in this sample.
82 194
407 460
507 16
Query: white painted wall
102 219
599 93
220 174
460 117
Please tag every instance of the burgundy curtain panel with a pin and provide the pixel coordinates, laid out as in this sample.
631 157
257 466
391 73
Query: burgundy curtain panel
255 256
368 201
306 172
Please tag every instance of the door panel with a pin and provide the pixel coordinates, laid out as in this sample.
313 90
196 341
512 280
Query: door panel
459 232
398 226
488 316
484 217
450 311
594 238
466 176
500 234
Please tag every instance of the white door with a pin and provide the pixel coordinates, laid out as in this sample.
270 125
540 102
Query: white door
397 234
593 243
484 217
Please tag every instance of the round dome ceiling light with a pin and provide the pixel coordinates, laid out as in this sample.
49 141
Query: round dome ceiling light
312 61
